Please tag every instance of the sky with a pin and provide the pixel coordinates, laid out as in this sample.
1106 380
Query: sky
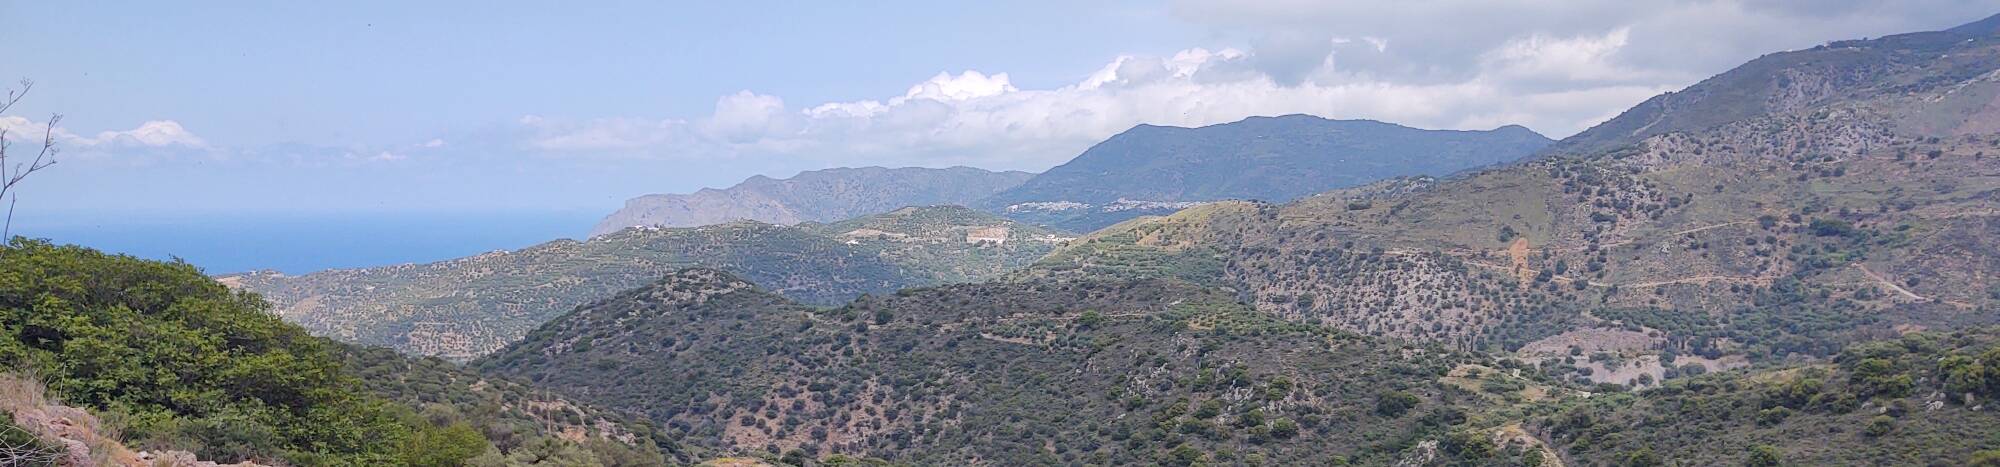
189 109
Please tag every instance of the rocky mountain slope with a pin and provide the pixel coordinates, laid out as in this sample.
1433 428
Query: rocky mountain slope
1853 196
816 196
1043 373
1155 169
463 308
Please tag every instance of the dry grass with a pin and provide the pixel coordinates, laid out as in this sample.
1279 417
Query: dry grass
89 441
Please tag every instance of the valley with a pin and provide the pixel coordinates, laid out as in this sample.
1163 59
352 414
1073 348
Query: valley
1792 262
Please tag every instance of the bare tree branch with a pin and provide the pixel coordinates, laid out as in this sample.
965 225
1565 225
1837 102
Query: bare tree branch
13 171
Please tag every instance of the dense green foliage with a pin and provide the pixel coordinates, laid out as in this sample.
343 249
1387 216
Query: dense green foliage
177 361
184 359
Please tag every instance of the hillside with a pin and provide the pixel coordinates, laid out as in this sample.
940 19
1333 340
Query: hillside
462 308
1156 170
815 196
1798 81
1059 372
114 359
1790 231
1919 399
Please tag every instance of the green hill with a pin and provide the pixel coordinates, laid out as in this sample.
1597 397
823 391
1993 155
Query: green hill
1036 373
462 308
172 360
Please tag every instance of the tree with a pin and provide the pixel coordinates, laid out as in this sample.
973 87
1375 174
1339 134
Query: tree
1644 457
1880 425
1763 455
1183 455
1284 428
1987 458
14 170
1395 403
443 446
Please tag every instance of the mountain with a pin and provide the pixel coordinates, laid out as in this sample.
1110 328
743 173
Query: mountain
464 307
1745 222
816 196
1798 81
1100 372
1156 169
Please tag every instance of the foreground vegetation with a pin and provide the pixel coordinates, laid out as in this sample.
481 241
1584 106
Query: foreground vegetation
173 360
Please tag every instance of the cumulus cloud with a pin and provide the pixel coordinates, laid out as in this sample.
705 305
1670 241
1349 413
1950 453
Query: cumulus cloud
983 119
1554 66
155 134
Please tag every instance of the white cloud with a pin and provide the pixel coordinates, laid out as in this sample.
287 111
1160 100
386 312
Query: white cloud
985 120
1554 66
157 133
1573 59
151 134
966 86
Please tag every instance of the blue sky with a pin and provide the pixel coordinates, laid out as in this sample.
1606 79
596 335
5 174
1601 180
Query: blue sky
199 108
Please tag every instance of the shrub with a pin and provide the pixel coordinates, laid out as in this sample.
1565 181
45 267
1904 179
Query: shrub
1395 403
443 446
1763 455
1880 425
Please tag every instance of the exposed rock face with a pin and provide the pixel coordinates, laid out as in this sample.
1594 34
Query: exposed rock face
817 196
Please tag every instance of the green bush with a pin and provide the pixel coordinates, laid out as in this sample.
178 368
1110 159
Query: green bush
443 446
1395 403
1763 455
183 359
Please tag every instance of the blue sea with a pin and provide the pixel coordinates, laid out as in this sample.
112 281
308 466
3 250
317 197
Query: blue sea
302 243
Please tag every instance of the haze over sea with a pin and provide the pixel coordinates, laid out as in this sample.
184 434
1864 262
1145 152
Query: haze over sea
298 243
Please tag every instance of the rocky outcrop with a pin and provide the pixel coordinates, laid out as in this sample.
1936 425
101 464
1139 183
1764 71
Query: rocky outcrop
72 436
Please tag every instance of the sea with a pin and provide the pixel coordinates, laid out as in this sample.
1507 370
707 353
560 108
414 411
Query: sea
298 243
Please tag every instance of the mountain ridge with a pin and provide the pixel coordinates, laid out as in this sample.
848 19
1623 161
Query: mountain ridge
1153 169
464 307
816 195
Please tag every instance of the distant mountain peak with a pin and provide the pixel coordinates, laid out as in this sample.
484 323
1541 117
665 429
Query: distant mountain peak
1984 27
815 195
1153 169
